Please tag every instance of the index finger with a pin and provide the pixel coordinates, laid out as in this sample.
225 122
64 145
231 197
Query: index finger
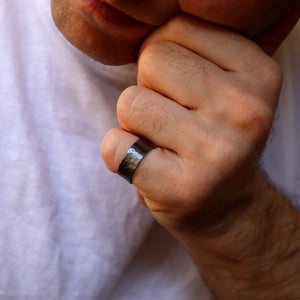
224 47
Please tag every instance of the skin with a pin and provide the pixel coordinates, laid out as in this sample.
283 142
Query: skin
206 97
252 18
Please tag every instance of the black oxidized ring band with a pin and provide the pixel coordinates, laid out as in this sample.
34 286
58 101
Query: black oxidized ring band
133 158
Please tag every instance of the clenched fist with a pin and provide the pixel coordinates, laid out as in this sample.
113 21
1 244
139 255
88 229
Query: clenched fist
206 97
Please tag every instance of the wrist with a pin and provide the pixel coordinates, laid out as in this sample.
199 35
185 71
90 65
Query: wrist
250 212
254 252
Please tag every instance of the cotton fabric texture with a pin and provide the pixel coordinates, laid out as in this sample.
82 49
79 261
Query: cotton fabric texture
69 229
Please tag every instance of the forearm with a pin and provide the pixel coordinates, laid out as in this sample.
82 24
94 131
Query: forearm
255 257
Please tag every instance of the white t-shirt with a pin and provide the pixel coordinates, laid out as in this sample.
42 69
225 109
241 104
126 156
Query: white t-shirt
69 229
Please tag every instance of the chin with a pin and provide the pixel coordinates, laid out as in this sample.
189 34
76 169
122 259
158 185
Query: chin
102 46
106 50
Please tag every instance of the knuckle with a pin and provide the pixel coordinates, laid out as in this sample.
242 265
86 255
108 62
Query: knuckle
263 128
270 76
151 60
137 110
162 56
127 96
260 122
255 119
127 101
109 149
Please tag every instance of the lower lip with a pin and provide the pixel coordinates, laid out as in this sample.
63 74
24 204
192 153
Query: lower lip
105 14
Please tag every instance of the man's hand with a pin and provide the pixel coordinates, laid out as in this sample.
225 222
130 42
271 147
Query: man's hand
206 97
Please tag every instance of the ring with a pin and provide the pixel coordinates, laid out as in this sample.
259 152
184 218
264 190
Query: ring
133 158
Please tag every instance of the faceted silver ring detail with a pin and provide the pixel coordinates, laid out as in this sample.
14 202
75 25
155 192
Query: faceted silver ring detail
133 158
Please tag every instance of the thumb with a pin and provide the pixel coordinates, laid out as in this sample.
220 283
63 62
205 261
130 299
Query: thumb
271 38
